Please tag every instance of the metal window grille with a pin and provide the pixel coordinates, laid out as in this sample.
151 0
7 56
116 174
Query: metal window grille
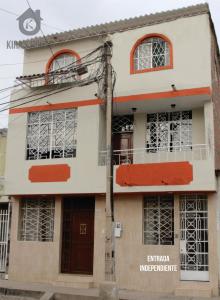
158 220
194 232
37 219
4 237
169 131
152 53
62 62
52 134
122 124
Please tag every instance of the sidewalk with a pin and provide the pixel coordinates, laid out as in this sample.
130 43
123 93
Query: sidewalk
27 291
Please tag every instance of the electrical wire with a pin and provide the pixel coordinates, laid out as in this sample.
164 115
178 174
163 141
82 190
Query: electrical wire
17 15
48 44
81 82
68 67
46 94
37 99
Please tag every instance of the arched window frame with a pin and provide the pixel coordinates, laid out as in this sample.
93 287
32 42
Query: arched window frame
138 42
57 54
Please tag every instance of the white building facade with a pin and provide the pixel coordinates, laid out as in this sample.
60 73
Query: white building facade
165 123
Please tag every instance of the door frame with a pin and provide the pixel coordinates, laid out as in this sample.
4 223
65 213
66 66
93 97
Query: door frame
118 158
194 275
72 198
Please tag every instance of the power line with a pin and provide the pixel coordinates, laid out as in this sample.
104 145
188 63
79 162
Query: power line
17 15
79 82
68 67
48 44
34 61
49 94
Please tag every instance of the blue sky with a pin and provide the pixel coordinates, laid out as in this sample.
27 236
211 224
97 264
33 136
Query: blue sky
68 14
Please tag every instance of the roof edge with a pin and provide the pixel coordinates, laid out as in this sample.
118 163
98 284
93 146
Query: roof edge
116 26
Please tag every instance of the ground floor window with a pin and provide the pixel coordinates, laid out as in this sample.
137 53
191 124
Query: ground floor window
158 227
37 219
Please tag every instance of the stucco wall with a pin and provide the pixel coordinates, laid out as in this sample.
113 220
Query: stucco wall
40 261
86 176
191 42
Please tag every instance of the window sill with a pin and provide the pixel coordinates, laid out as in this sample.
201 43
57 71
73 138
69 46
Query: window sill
132 71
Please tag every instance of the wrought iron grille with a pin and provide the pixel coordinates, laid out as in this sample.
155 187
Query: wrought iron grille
152 53
52 134
169 131
158 220
62 62
194 232
4 236
122 124
37 219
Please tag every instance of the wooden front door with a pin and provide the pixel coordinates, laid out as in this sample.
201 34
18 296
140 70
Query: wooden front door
122 142
78 235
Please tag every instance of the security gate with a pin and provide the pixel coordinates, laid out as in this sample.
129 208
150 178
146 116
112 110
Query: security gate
194 237
4 230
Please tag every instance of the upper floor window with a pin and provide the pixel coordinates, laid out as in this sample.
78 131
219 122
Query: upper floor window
151 53
51 134
60 64
169 131
62 61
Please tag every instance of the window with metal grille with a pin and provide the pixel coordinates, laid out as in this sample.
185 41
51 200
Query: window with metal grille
62 61
152 53
169 131
37 219
158 220
122 124
51 134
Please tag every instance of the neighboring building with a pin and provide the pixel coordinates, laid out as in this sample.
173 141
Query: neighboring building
3 141
165 137
4 207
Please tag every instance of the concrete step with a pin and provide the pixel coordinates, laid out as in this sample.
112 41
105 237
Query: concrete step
75 281
19 294
201 292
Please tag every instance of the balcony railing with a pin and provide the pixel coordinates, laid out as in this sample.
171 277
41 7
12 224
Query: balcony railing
158 154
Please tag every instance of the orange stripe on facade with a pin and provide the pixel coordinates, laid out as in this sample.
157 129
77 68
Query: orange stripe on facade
155 174
49 173
169 94
138 97
56 106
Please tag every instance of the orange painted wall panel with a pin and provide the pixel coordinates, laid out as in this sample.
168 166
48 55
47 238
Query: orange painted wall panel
49 173
171 173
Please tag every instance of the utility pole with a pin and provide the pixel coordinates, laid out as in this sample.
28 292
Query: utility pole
108 290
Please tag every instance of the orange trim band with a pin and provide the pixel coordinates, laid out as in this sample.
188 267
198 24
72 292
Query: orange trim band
155 174
49 173
169 94
138 97
139 41
56 106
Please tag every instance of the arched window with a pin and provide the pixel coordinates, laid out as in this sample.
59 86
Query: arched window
60 62
151 53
